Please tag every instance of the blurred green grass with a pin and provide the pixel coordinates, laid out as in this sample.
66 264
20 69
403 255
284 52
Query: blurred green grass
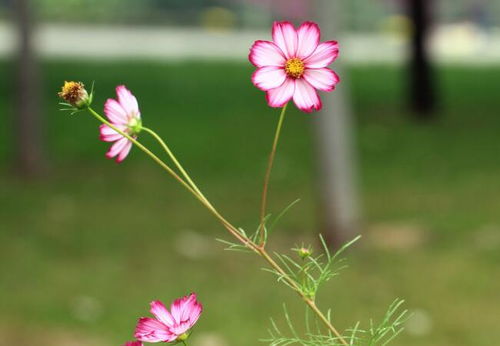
84 250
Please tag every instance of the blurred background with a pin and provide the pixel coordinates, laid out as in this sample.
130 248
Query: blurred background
406 153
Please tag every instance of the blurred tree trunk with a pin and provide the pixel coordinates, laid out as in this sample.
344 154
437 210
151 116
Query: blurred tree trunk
29 153
337 164
422 97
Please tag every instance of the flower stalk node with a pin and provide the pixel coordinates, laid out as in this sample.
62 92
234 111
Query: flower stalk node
135 126
183 337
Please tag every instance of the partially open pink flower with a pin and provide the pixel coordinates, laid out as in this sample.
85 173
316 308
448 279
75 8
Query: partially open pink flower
169 326
294 65
124 114
133 343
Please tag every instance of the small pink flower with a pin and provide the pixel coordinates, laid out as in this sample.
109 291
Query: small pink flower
124 114
294 65
169 326
133 343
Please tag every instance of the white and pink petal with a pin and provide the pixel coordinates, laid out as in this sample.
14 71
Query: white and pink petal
305 97
308 35
177 308
191 309
324 55
181 328
285 37
186 309
127 101
124 152
107 134
323 79
151 330
117 147
268 77
194 313
279 96
161 313
115 112
265 53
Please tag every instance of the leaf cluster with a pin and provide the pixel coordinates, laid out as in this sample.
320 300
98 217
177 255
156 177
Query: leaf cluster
310 272
380 334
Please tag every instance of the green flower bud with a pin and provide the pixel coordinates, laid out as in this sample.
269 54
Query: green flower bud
304 252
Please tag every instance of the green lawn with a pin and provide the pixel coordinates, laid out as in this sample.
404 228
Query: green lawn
83 251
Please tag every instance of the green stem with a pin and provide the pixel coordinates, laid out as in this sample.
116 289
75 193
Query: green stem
325 320
175 161
265 188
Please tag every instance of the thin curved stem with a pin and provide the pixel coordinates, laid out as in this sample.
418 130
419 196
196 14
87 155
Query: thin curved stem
263 206
175 161
145 150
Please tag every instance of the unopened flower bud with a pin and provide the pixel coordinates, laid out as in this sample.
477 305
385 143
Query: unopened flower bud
304 252
75 94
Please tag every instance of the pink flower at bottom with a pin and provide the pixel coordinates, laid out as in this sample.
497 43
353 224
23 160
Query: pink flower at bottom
133 343
294 65
124 114
169 326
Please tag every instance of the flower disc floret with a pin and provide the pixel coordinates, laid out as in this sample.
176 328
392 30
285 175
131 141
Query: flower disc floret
294 68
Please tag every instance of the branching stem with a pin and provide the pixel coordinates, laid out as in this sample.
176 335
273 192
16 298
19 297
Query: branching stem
176 162
191 187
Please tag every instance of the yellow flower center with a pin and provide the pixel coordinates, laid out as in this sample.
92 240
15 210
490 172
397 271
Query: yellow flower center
294 68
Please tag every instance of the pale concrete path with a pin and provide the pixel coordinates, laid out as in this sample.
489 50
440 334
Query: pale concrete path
451 44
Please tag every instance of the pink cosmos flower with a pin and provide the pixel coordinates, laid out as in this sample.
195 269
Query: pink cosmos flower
169 326
294 65
133 343
124 114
